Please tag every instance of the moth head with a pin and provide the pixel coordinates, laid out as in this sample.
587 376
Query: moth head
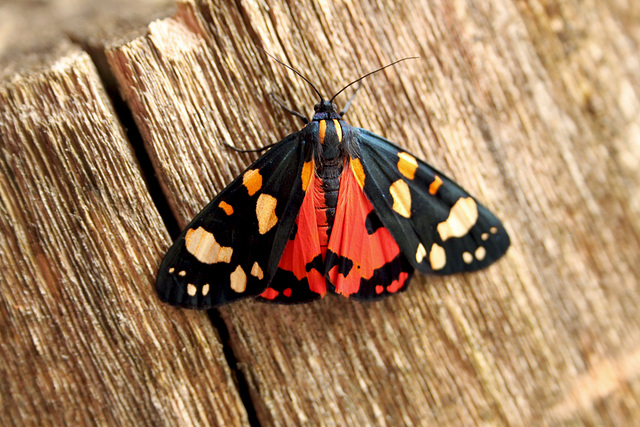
325 106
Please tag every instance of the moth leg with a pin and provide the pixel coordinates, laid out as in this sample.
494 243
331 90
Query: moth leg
289 110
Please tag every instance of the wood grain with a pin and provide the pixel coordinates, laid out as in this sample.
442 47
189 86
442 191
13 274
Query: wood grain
83 340
532 106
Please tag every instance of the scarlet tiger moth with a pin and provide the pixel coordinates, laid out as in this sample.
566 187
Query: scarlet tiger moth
329 209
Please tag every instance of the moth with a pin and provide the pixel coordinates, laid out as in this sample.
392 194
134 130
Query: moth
331 208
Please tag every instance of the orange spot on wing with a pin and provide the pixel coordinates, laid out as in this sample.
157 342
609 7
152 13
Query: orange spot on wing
226 207
358 171
435 185
307 174
252 180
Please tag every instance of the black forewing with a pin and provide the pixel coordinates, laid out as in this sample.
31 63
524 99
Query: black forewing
484 242
185 280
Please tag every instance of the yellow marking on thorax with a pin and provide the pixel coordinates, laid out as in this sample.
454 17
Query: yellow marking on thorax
356 167
252 180
435 185
307 174
226 207
322 130
407 165
336 123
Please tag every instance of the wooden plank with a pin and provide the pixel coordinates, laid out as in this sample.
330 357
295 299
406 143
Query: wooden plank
528 105
83 340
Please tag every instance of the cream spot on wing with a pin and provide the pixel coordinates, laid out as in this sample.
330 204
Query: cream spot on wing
484 236
493 230
225 254
421 252
203 245
252 180
238 280
407 165
205 289
401 198
191 289
182 273
462 217
480 253
256 271
437 257
171 270
467 257
266 213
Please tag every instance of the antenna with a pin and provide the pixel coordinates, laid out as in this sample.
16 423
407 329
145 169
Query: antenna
294 70
368 74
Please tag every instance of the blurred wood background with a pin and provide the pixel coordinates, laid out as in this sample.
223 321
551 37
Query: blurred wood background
112 117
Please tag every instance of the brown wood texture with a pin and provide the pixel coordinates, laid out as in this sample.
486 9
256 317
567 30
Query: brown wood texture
83 340
532 106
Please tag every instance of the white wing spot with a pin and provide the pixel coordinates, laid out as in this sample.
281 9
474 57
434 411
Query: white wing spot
480 253
256 271
171 270
467 257
238 280
205 290
493 230
484 236
203 245
266 212
462 217
421 252
401 198
437 257
182 273
191 289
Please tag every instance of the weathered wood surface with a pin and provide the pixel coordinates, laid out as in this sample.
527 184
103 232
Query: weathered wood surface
83 340
533 107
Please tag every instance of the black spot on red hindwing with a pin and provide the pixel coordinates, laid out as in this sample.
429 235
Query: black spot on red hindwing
372 222
344 264
391 278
